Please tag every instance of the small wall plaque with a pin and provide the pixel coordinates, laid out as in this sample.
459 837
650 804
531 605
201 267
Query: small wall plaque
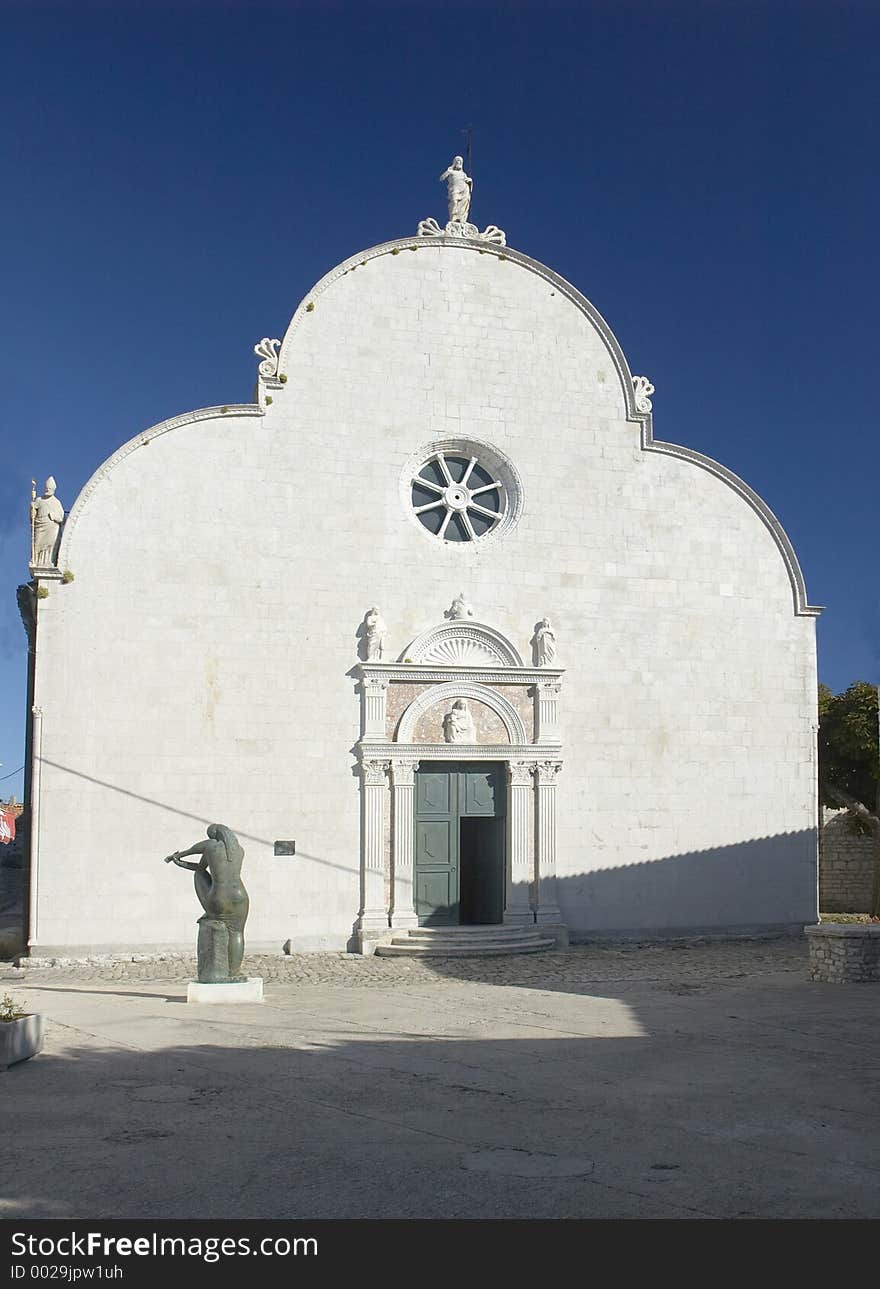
285 848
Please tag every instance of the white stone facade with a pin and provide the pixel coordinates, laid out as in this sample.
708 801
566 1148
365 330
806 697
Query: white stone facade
203 665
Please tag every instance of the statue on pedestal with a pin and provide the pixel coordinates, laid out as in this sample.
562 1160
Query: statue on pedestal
221 892
544 643
372 633
458 188
459 610
47 516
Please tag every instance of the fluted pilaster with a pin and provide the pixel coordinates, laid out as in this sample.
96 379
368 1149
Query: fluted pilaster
546 773
403 777
373 917
517 908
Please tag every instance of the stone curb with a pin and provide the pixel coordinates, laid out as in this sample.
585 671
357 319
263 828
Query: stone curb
844 929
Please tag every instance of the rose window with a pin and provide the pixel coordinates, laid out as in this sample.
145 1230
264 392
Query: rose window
457 497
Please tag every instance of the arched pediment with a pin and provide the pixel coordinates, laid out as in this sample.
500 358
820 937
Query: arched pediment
510 717
634 389
463 644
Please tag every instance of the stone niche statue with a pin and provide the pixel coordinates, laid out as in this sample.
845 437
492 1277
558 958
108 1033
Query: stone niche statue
372 635
47 516
458 724
458 188
544 643
459 610
221 892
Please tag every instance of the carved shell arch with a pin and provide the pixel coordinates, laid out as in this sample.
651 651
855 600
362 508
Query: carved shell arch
510 717
462 644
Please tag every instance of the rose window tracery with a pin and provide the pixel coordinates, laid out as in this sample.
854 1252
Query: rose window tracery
457 497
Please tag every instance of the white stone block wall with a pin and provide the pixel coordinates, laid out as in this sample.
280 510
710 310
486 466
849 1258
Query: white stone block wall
198 667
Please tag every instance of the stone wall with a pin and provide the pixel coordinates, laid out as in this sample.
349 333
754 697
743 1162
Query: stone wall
198 669
845 866
843 953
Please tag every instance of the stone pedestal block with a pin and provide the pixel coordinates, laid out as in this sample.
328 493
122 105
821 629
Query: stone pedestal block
237 991
213 951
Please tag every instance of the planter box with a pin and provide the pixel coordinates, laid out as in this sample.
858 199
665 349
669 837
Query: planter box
20 1039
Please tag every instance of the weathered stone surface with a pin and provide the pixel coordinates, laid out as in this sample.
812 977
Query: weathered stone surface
680 963
213 950
844 953
846 865
486 725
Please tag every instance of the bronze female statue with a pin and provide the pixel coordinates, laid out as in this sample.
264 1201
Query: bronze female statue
221 892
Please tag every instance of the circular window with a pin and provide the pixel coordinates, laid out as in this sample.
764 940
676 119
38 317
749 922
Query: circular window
461 492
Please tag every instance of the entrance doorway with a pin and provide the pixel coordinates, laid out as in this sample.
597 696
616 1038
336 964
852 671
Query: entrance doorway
460 808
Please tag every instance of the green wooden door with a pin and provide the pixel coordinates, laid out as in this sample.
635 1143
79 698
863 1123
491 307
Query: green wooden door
459 843
436 854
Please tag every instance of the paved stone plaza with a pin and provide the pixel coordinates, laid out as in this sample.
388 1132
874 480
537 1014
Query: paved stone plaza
696 1078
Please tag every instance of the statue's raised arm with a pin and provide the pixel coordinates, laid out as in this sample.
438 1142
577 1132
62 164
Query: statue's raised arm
177 857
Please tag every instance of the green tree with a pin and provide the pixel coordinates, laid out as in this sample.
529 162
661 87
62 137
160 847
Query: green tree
849 762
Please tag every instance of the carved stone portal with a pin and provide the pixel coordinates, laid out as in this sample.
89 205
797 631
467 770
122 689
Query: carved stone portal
460 692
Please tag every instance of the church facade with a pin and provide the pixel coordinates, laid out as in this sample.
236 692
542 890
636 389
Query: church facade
437 627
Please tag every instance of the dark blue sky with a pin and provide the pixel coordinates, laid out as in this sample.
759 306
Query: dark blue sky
178 175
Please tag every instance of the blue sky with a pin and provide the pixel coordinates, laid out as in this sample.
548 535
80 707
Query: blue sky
179 175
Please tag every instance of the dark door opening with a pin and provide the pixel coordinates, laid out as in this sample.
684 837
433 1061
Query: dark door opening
481 871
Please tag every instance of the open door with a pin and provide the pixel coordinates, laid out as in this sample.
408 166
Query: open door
459 843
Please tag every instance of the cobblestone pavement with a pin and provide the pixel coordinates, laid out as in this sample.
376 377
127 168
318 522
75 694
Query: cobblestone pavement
689 964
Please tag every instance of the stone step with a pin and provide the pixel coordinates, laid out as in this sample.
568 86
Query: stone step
445 949
465 941
484 928
461 941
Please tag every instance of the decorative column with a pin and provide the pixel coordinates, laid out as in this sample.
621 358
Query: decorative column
374 693
547 711
372 922
403 778
517 909
34 827
548 911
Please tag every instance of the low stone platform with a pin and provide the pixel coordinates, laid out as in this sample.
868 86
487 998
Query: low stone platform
239 991
844 953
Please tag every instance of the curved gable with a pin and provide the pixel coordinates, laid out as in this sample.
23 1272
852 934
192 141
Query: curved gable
632 392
